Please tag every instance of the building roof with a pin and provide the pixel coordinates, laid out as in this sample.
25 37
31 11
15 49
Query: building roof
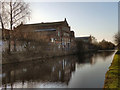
83 38
44 24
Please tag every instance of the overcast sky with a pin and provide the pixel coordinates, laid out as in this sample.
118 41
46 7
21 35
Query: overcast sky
99 19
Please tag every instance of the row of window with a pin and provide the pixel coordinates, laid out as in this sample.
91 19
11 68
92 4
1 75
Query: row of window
63 40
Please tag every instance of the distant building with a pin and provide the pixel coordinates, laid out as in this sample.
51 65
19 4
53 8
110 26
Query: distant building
88 39
87 43
53 32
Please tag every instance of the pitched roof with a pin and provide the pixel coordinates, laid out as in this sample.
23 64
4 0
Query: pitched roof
83 38
46 23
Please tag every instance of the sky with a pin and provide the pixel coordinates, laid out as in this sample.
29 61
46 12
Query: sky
99 19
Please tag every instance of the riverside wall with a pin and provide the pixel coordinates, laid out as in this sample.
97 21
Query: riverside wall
32 51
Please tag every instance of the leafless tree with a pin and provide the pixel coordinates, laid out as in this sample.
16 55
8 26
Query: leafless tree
13 13
117 39
3 17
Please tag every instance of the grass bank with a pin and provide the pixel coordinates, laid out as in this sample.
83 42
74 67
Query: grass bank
112 77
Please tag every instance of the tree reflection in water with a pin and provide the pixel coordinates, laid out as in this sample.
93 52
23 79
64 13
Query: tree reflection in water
52 70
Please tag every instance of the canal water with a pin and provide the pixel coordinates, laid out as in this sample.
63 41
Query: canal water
75 71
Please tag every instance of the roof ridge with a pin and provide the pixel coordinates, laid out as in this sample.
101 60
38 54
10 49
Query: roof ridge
44 23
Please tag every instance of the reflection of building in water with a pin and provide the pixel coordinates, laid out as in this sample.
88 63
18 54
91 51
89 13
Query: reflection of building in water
56 70
51 70
85 58
93 61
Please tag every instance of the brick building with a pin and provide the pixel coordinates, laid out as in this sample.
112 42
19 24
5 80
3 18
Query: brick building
58 33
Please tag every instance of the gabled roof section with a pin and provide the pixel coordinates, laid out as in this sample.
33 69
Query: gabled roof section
65 21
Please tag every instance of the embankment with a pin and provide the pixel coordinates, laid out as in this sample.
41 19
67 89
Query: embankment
17 57
112 77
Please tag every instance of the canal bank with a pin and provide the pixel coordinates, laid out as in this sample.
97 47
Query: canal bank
25 57
112 77
18 57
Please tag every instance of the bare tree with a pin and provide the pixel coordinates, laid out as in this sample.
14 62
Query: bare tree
117 39
17 11
3 17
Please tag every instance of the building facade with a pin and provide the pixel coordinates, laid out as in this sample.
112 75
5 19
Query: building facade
57 33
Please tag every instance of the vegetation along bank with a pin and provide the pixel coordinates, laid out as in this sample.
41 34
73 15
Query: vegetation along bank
112 77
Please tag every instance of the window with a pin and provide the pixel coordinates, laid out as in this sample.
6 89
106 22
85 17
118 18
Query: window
58 33
52 39
66 34
69 40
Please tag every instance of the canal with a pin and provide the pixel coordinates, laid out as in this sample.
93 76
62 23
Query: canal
75 71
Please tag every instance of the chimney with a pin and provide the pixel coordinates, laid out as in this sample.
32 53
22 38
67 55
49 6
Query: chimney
21 23
65 19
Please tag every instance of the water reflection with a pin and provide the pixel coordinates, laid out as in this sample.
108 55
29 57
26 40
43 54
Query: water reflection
54 72
90 57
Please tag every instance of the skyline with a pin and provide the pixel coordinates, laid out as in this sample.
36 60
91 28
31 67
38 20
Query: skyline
99 19
85 18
